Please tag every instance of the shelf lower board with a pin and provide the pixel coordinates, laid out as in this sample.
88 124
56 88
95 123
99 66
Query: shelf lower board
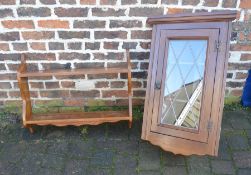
78 118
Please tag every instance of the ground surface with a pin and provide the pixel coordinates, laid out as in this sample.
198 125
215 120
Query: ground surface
115 149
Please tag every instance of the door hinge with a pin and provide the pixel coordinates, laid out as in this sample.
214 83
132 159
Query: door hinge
217 46
209 126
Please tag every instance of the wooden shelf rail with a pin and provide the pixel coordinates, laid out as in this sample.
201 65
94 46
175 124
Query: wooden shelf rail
76 118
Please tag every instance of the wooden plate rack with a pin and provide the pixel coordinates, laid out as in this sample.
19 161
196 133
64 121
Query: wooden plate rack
75 118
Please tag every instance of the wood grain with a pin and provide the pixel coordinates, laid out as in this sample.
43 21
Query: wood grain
76 119
175 139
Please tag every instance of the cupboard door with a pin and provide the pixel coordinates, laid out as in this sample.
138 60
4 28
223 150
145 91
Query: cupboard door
183 87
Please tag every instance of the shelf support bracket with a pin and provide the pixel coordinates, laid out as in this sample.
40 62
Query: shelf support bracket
25 93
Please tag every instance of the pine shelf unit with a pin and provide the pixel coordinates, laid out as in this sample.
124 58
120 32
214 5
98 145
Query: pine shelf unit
74 118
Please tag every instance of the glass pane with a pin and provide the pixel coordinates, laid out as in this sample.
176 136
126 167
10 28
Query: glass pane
183 84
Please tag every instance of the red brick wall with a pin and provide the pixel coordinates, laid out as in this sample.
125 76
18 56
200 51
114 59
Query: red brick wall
94 33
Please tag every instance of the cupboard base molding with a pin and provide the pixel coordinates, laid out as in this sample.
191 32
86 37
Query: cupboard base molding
74 118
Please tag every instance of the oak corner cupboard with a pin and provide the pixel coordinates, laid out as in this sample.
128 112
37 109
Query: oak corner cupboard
186 81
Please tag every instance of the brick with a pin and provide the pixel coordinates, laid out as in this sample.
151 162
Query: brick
233 84
14 94
51 66
236 92
240 47
89 24
169 1
145 11
145 45
234 36
72 34
71 12
41 56
242 36
88 2
37 12
20 46
37 46
229 3
190 2
55 93
129 45
239 66
111 45
4 47
8 76
86 94
88 65
144 66
2 66
101 84
139 93
140 74
67 1
110 34
38 35
177 10
229 75
211 3
102 76
75 46
19 24
107 12
245 4
117 84
10 56
141 34
125 24
52 85
5 85
68 84
149 1
9 36
136 84
128 2
241 75
74 55
27 1
3 94
245 57
36 85
6 13
53 24
74 102
7 2
249 36
48 2
114 93
108 2
92 46
139 55
56 46
108 56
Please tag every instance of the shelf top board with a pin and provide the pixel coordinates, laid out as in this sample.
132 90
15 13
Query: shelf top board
58 72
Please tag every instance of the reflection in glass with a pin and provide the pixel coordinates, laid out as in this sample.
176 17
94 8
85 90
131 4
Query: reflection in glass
183 84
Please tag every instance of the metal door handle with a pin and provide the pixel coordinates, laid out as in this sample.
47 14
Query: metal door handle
157 85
